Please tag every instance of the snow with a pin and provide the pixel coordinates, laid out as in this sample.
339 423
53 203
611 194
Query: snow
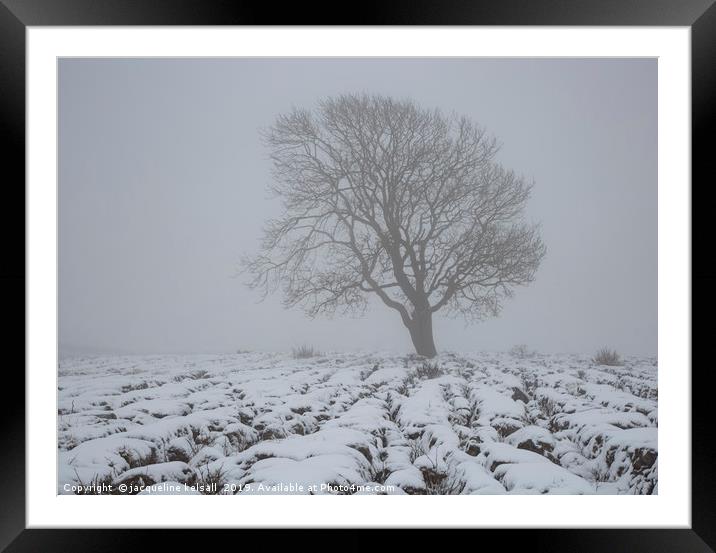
541 478
356 423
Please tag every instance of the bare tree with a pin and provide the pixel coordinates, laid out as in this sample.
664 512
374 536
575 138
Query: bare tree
384 198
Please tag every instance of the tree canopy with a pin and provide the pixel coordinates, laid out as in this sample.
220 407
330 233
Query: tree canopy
384 198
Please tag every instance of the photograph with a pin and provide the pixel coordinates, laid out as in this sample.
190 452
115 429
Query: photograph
357 275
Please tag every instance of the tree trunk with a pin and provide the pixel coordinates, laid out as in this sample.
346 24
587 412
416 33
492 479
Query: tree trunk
421 333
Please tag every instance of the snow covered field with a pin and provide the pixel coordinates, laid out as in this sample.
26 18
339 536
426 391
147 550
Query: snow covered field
351 423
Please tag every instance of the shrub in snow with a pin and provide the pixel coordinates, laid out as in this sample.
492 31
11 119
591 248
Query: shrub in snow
547 407
429 370
442 482
211 480
519 395
521 351
305 352
609 357
415 449
178 449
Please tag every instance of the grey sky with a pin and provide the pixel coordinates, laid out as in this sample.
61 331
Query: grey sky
163 186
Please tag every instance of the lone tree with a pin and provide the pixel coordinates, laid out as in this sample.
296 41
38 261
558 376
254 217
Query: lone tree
384 198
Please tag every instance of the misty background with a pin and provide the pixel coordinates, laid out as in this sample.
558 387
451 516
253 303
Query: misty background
163 186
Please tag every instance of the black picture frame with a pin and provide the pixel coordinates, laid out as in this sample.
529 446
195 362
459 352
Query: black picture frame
16 15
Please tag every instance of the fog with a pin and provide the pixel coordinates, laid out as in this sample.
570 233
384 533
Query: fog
163 186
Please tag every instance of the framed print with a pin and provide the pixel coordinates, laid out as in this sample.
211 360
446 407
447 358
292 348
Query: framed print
439 261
